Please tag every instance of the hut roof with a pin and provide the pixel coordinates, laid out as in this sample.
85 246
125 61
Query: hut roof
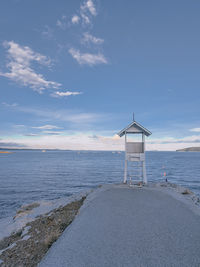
134 127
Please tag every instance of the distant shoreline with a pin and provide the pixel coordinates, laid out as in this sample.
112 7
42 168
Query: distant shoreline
189 149
10 150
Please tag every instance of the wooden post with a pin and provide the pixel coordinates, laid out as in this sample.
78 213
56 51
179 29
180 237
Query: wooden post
125 167
143 162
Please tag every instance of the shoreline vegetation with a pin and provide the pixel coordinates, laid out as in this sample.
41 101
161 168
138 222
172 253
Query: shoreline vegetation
27 246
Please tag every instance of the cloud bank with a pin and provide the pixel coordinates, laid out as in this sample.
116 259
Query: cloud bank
78 141
197 130
85 141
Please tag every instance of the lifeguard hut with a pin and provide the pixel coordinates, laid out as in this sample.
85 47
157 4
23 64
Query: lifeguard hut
135 151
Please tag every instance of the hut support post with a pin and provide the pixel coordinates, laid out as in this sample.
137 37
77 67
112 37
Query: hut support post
143 162
125 167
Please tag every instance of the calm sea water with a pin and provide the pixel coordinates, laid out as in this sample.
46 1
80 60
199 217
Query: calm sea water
28 176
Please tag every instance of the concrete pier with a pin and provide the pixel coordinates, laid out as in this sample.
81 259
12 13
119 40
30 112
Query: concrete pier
124 226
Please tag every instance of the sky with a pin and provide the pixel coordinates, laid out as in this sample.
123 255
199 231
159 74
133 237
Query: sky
73 72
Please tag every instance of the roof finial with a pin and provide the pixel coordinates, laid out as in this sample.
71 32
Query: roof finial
133 116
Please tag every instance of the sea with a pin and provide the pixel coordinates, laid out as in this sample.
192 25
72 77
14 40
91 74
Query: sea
28 176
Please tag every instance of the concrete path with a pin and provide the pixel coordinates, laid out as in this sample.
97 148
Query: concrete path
122 226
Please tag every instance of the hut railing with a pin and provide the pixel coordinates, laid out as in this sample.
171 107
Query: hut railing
135 147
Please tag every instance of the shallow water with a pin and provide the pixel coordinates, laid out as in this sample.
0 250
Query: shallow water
27 175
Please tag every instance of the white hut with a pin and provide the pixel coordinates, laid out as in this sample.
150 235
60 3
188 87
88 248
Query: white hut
135 151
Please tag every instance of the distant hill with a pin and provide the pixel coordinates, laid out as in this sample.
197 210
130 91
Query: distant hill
190 149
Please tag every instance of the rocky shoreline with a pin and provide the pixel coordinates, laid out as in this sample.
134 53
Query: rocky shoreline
27 247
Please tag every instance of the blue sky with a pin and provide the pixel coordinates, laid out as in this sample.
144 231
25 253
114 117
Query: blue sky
73 72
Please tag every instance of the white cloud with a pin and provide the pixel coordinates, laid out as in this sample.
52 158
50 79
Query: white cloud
195 130
47 32
85 19
89 6
88 38
9 105
52 132
23 54
62 23
74 117
86 12
75 19
46 127
19 65
31 134
87 58
67 93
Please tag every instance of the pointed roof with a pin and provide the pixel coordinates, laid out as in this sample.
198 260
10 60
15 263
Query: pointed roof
134 127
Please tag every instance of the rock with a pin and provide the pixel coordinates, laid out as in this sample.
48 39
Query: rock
27 247
186 192
26 209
